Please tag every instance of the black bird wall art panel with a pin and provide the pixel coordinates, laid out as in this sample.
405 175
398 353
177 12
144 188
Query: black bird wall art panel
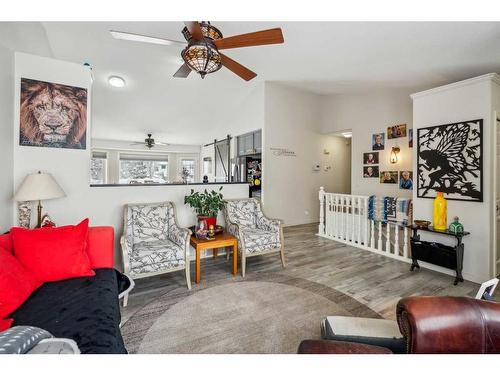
450 160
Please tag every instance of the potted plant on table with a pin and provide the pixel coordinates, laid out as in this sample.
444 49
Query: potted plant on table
206 205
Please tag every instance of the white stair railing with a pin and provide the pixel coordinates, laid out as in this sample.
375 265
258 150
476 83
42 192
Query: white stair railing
344 218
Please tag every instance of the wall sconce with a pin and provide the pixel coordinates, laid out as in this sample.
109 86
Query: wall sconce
394 155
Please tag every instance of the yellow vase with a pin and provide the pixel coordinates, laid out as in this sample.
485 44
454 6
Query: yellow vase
440 212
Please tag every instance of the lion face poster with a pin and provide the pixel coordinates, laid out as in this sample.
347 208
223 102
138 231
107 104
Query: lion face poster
52 115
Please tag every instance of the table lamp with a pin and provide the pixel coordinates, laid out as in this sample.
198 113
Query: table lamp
37 187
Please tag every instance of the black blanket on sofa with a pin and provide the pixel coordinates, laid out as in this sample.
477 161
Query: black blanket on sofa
84 309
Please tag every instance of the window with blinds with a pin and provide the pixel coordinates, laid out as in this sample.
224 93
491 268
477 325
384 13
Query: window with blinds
143 168
98 168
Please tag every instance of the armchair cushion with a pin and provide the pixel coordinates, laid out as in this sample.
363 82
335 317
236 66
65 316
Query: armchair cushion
242 212
149 222
258 239
155 256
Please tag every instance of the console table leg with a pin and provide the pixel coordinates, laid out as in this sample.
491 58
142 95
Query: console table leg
460 262
414 264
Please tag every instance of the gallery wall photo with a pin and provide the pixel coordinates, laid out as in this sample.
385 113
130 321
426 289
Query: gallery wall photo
52 115
450 160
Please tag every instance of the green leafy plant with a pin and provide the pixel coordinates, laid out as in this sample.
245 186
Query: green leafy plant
206 203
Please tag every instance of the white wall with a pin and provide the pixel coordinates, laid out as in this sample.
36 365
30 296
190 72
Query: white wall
290 186
103 205
6 147
461 101
364 115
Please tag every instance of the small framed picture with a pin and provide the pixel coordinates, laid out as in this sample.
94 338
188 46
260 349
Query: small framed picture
370 171
378 141
410 138
389 177
396 131
406 180
370 158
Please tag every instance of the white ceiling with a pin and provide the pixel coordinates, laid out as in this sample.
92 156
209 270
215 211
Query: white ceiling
322 57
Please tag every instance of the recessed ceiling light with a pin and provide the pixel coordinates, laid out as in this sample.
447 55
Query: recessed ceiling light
347 135
116 81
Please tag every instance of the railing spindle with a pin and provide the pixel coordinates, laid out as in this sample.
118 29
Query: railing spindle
379 242
396 240
388 240
405 242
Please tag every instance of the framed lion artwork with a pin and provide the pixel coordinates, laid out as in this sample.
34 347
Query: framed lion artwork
52 115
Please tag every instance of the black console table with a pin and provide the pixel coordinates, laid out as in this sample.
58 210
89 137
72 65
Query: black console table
451 257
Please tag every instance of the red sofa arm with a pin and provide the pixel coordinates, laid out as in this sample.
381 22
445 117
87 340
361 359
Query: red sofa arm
449 325
101 247
339 347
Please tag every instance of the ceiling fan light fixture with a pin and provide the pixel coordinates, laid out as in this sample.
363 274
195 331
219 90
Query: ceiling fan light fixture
202 57
208 31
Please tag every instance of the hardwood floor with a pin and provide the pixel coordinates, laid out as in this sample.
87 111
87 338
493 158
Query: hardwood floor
374 280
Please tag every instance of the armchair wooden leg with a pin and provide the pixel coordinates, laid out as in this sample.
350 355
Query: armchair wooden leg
282 249
188 276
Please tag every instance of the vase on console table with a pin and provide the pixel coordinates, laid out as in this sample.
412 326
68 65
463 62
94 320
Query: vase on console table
440 214
456 227
24 214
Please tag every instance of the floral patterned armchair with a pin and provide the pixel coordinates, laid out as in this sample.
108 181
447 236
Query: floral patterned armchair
256 233
152 241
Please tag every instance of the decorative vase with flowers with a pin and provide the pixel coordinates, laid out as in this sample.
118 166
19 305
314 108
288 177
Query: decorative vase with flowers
206 204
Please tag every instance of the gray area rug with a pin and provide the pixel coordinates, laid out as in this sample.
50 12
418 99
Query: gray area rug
263 313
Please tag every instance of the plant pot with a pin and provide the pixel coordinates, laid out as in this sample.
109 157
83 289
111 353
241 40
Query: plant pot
211 220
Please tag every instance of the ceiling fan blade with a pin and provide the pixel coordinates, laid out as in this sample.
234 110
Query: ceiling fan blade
194 29
144 38
183 71
258 38
237 68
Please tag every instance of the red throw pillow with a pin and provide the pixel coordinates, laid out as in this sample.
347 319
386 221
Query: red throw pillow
53 254
16 284
5 324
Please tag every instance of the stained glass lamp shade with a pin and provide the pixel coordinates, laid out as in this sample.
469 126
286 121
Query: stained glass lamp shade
202 58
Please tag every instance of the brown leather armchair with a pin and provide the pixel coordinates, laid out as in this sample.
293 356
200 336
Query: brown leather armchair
434 325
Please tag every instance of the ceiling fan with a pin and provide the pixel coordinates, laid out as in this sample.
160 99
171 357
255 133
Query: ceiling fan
204 42
149 142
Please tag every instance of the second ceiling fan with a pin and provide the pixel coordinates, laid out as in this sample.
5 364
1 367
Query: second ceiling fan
204 42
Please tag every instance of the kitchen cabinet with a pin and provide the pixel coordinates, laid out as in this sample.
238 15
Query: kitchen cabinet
250 143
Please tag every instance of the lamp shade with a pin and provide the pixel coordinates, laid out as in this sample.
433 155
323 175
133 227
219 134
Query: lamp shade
38 186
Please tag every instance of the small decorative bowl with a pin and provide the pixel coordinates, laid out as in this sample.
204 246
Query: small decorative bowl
424 224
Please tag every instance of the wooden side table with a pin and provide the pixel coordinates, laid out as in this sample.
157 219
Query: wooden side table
220 241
